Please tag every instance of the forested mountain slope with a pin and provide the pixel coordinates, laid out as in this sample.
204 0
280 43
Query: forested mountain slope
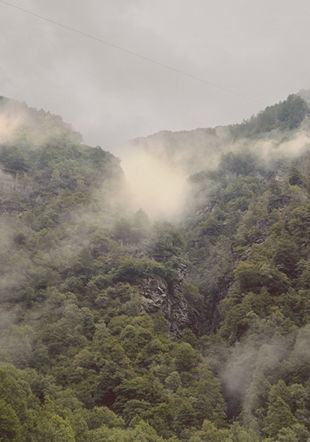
195 149
115 327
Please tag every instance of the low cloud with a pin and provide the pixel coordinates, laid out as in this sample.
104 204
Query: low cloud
154 186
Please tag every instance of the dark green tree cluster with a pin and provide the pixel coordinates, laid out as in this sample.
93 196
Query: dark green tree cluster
249 246
286 115
83 359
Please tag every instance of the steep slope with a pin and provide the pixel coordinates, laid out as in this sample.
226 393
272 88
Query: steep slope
232 168
115 327
198 149
78 270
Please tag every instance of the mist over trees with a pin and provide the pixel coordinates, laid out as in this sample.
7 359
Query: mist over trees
117 326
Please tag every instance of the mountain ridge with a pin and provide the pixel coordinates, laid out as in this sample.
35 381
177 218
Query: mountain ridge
115 326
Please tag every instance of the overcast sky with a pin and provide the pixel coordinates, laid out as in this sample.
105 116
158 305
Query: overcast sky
250 53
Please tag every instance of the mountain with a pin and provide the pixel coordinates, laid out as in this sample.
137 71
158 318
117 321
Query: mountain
201 148
118 327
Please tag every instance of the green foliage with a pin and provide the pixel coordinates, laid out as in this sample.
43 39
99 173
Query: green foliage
278 417
131 269
10 426
186 357
287 114
91 292
296 178
166 242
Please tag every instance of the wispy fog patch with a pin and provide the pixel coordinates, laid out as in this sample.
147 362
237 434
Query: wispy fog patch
277 147
295 146
157 167
259 361
20 124
9 125
249 358
155 186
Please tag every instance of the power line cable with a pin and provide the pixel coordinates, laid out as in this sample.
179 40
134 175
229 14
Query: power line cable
123 49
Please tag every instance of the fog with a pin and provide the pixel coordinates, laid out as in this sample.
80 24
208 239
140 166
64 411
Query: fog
261 357
8 126
155 186
158 168
117 71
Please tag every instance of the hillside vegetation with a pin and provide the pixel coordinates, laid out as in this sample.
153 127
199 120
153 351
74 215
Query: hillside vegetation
115 327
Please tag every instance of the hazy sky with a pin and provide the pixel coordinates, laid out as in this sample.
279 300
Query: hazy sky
255 52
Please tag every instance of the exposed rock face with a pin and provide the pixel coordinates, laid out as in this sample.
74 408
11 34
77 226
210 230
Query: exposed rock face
15 192
157 295
12 184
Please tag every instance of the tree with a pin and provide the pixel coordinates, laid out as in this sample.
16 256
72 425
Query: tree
186 358
278 416
10 426
208 433
53 428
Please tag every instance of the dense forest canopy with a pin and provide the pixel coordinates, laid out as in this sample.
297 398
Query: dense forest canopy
118 327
